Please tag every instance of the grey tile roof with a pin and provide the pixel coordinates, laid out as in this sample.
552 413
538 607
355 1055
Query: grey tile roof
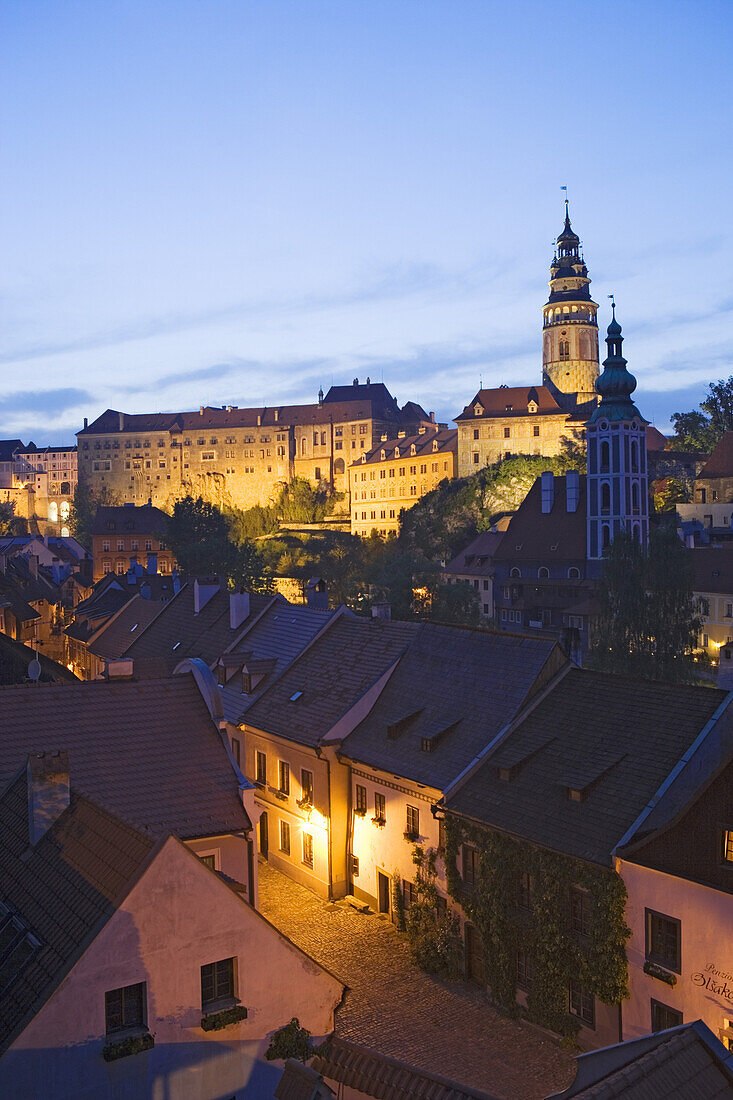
206 635
477 558
466 685
112 639
593 718
148 752
329 677
280 634
555 536
143 519
65 887
445 438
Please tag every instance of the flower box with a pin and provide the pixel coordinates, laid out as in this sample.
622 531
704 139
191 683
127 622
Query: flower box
411 836
305 803
380 821
215 1021
281 795
654 970
122 1048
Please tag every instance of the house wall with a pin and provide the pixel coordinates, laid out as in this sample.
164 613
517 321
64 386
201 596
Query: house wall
178 917
231 856
704 985
483 585
380 491
493 443
716 627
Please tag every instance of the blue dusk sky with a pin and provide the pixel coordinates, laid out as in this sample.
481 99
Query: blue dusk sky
235 202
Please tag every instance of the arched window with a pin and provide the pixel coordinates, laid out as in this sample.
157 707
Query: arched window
53 511
514 572
634 496
64 532
605 498
303 445
605 456
338 466
65 488
574 573
605 536
634 456
543 572
64 510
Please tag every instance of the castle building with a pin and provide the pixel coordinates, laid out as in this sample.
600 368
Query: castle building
542 420
618 494
240 457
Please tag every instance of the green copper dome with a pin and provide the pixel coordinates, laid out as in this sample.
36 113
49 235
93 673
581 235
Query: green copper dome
615 384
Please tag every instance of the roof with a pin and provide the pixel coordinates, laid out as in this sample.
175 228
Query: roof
117 633
613 739
508 401
16 657
685 1062
425 443
65 887
720 463
454 688
32 449
179 632
713 569
300 1082
143 520
377 1075
655 441
318 688
558 535
279 635
477 559
8 447
137 749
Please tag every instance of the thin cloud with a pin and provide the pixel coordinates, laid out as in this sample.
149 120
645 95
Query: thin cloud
44 401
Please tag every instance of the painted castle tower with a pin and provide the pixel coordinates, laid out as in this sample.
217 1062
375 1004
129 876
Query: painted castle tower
617 467
570 329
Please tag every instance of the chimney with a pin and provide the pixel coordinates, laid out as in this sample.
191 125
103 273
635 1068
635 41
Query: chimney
86 422
381 611
548 491
238 609
725 667
356 381
152 565
572 488
368 381
316 594
122 422
48 791
33 564
203 591
432 417
120 668
201 410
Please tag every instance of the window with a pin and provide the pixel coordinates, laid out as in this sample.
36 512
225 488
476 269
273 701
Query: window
308 850
306 786
148 544
663 936
524 971
105 546
246 682
285 837
663 1016
605 498
470 866
237 750
728 845
475 458
120 544
524 890
413 821
536 430
283 777
409 893
209 861
125 1008
476 433
507 433
217 983
574 573
579 911
582 1003
543 572
361 799
380 807
261 767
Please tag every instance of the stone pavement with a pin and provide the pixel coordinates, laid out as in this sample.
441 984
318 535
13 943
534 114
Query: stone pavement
448 1028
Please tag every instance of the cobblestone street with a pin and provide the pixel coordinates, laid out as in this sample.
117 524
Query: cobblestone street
391 1006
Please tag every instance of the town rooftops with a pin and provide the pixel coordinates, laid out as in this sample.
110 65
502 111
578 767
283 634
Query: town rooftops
118 632
452 692
575 773
655 441
32 449
712 569
8 447
129 519
424 444
330 676
476 560
57 893
508 401
686 1062
720 463
149 752
547 537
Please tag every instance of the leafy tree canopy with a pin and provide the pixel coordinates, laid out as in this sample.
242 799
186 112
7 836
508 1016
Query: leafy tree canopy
701 431
199 536
84 509
297 502
10 524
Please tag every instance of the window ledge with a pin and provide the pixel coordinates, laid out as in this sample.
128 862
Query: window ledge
413 837
217 1018
281 795
132 1042
360 813
380 821
655 970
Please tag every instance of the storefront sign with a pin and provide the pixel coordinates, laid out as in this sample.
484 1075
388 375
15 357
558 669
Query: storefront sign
717 982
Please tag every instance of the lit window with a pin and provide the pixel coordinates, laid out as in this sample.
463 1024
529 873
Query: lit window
380 807
308 850
283 777
728 845
261 767
285 838
361 799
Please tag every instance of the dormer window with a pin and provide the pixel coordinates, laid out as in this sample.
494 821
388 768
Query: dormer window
478 410
397 452
532 407
508 408
383 454
413 449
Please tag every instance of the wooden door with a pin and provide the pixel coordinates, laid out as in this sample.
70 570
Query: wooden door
264 838
383 892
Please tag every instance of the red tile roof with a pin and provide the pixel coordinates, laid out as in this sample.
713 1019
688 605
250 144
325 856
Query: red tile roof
713 569
720 463
512 401
557 535
424 444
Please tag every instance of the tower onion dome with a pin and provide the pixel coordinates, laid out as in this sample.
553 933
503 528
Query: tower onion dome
568 238
615 384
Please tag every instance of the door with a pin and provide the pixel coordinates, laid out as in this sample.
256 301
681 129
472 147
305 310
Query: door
263 834
474 956
383 892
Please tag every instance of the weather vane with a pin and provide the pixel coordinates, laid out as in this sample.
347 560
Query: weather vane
613 304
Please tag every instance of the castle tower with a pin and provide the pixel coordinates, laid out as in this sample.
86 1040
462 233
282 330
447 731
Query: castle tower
570 329
617 469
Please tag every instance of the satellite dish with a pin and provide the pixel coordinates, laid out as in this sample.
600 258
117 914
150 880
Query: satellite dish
34 669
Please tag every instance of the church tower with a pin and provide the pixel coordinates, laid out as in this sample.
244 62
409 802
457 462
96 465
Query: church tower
570 329
617 470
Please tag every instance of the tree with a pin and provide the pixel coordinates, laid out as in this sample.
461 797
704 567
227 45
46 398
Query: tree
198 535
10 524
668 492
435 940
700 431
648 624
84 508
291 1041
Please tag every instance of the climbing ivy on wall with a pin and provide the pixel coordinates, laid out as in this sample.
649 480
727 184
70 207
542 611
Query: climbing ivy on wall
598 960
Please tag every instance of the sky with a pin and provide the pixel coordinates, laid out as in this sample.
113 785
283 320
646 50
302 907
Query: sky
234 202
